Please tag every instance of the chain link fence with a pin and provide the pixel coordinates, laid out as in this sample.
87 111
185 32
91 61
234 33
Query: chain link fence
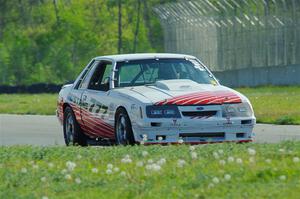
234 34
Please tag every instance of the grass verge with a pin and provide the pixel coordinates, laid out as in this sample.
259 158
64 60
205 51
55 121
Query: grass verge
206 171
37 104
275 105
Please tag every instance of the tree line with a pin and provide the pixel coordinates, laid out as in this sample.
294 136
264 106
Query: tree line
52 40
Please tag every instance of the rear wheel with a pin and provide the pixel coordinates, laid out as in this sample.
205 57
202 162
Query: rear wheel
123 129
72 132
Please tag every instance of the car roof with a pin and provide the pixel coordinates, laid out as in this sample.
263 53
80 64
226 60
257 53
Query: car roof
138 56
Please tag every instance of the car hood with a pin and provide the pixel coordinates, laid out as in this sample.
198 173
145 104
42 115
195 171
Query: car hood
182 92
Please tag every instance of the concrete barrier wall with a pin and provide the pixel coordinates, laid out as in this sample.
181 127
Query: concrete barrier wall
249 77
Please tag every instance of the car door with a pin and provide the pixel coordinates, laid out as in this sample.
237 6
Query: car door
95 102
74 98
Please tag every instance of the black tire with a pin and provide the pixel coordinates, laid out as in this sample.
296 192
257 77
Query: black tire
123 129
72 132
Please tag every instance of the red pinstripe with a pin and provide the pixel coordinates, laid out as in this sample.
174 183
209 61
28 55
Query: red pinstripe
199 96
203 98
181 97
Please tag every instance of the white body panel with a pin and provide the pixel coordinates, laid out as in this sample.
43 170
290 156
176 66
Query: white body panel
191 129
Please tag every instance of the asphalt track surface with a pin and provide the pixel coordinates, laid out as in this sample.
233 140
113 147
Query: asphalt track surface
46 131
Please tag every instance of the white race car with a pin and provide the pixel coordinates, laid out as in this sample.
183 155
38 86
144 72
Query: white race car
152 99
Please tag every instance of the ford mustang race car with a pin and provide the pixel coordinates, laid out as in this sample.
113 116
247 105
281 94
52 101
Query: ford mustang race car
152 98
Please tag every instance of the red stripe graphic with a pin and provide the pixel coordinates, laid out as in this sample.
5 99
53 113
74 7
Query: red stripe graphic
203 98
92 125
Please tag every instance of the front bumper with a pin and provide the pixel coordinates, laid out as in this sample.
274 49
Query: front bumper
194 131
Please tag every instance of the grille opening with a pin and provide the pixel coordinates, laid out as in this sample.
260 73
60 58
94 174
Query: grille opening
240 135
246 122
203 135
162 136
155 124
198 113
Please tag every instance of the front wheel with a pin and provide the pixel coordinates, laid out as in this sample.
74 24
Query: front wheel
72 132
123 129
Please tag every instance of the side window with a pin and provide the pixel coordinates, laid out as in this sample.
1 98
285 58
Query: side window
100 78
87 75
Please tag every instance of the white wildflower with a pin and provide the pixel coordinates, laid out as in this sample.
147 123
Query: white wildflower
126 160
192 148
68 177
43 179
194 155
251 151
110 166
108 171
156 167
50 165
239 161
281 150
181 163
95 170
77 180
216 155
252 159
144 153
161 161
220 151
123 173
23 170
70 165
116 169
150 161
230 159
296 159
268 160
215 180
227 177
139 164
149 166
222 162
45 197
63 171
153 167
211 185
35 166
282 177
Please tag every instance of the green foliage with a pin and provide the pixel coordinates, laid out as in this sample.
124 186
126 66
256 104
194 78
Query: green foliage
204 171
44 41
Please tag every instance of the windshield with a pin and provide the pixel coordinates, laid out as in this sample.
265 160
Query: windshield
144 72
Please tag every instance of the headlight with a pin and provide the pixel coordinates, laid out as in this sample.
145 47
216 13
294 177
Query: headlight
162 112
237 110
